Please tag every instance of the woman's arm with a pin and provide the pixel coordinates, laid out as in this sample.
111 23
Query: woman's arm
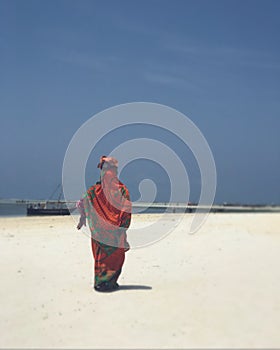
81 208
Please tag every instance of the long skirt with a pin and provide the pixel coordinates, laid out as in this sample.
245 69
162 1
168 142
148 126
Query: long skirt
108 262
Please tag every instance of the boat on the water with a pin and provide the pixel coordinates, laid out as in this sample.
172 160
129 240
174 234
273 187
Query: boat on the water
49 208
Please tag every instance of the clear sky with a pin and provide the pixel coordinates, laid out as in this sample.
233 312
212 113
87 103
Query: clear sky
218 62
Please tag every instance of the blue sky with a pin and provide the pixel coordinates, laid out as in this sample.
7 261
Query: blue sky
218 62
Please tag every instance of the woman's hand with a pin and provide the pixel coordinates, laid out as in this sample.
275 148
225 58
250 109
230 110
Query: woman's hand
81 223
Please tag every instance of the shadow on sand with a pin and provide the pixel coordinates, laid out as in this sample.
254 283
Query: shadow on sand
133 287
127 287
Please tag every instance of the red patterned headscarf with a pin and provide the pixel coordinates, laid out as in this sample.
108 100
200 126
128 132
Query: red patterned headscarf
107 161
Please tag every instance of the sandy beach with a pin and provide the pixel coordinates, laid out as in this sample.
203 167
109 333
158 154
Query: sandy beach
217 288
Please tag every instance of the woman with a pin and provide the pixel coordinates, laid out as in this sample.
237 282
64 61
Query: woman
107 207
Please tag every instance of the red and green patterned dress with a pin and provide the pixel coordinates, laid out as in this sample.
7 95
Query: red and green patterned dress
107 208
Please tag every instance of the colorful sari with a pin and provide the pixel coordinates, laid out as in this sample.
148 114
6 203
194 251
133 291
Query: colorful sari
107 207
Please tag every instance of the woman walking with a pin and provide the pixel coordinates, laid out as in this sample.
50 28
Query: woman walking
107 208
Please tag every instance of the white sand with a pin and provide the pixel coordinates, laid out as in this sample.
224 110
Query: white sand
217 288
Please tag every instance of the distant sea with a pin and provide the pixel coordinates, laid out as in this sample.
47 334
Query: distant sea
19 208
13 209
